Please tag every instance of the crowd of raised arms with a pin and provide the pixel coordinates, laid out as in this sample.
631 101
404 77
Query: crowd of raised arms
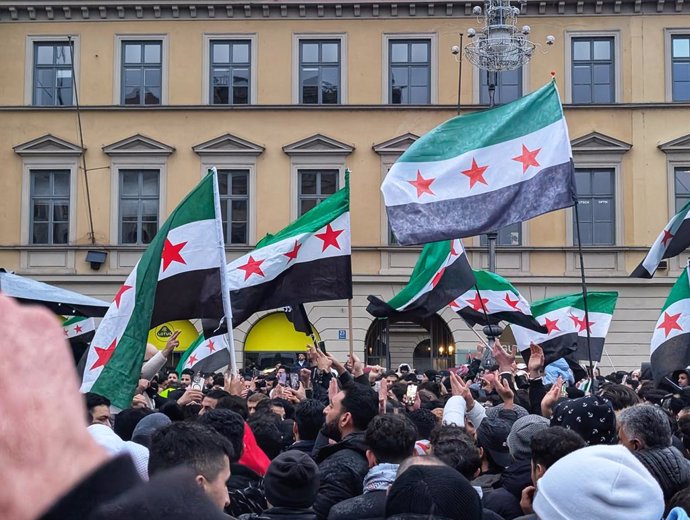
331 439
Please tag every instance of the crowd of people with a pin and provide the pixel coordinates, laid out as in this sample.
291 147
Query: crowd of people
340 441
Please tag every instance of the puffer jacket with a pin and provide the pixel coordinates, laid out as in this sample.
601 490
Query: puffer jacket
282 513
505 499
342 467
246 490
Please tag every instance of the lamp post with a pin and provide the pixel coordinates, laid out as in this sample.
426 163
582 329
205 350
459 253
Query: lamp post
498 45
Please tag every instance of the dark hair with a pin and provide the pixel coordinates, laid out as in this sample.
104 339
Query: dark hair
362 403
430 386
187 371
218 380
620 396
680 499
552 444
391 373
93 400
391 438
267 433
456 448
286 405
190 444
263 407
217 394
127 420
424 420
230 425
234 403
399 390
309 419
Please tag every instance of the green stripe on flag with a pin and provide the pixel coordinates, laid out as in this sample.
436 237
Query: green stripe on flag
488 127
74 319
604 302
183 360
120 375
430 261
316 218
679 291
487 281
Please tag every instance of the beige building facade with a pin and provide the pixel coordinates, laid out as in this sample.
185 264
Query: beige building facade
283 97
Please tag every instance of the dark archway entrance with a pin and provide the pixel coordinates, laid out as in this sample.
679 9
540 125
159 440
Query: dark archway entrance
424 345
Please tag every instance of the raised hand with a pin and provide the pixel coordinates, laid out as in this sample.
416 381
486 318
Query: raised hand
551 397
535 366
504 360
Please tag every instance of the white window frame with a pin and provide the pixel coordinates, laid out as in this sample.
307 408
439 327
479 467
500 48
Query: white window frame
253 53
476 82
617 56
433 62
29 63
135 162
296 38
313 162
239 162
668 59
117 71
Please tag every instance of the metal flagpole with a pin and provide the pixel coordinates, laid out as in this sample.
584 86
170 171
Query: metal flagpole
584 290
224 283
349 326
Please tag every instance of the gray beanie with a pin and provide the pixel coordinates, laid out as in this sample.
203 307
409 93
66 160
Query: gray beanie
493 411
521 434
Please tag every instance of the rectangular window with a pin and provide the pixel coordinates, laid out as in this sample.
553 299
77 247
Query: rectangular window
141 72
52 74
596 202
315 186
409 72
319 72
233 186
680 67
230 72
139 201
508 86
593 70
507 236
682 186
49 207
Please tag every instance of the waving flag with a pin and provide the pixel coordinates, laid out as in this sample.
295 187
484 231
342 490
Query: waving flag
441 273
206 355
179 276
479 172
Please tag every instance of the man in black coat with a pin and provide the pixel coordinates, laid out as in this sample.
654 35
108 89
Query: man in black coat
308 422
344 465
391 439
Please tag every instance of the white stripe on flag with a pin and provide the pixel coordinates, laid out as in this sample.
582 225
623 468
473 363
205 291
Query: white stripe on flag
659 336
191 242
566 322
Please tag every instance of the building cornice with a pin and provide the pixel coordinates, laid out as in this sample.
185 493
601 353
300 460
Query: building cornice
99 10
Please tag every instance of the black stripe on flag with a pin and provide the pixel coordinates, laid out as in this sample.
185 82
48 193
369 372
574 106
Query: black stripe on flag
672 354
518 318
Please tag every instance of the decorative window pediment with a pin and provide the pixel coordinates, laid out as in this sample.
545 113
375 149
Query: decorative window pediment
48 145
318 144
396 145
680 144
138 145
599 143
228 144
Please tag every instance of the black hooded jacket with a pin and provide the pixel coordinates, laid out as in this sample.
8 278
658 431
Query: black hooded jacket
505 499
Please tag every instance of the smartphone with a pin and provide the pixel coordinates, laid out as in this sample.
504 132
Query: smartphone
197 383
294 381
282 379
411 395
322 346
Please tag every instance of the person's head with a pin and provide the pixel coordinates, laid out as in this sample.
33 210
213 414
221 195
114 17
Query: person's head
644 426
391 378
127 420
351 410
620 396
282 371
521 434
390 438
98 409
253 400
234 403
210 400
186 377
199 447
292 481
492 437
404 368
550 445
424 420
282 408
173 377
230 425
433 491
218 380
267 433
309 419
681 377
681 499
598 482
149 425
456 448
591 417
301 356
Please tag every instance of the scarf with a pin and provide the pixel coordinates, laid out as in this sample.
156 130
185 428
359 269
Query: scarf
380 477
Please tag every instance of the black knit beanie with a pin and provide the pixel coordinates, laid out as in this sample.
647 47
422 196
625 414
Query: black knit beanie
292 480
668 467
435 491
